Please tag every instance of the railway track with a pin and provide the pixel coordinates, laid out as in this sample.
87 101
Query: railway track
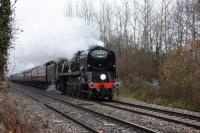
59 112
165 114
189 116
137 128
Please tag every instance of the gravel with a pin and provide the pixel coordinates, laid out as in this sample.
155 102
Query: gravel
50 122
99 123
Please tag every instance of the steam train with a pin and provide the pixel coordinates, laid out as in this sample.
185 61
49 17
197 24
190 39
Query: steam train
89 74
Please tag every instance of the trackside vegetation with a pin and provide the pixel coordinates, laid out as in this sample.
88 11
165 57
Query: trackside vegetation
179 81
5 34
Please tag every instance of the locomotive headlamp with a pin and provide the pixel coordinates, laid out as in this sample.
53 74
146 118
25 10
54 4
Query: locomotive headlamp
102 76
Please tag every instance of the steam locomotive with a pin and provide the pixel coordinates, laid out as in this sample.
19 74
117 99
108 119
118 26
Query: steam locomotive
89 74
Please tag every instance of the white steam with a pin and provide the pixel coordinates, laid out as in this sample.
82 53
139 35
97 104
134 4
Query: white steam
49 37
45 41
47 34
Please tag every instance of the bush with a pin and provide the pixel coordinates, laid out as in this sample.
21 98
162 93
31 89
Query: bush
138 88
180 76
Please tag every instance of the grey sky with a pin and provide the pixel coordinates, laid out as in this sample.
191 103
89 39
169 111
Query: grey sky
47 34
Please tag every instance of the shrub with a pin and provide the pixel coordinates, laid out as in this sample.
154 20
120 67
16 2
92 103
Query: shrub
180 76
138 88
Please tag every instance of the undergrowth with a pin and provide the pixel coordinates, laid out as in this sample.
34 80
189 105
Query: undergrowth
10 117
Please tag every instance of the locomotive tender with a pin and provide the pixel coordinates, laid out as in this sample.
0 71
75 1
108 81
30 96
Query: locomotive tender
90 73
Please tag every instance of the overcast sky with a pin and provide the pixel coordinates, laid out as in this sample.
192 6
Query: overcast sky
47 34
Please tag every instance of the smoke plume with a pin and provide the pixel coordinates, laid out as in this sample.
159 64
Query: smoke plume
47 36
